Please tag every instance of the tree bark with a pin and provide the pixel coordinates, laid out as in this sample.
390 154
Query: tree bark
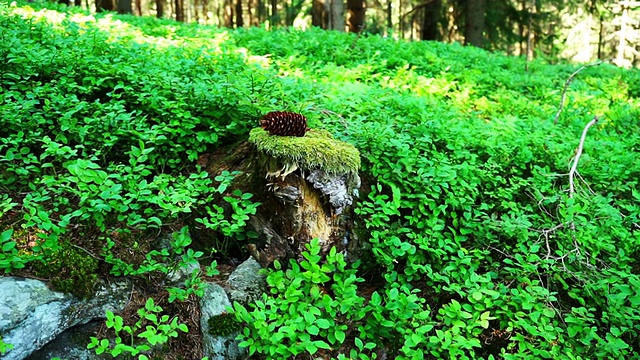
239 20
474 26
160 9
138 7
124 7
430 21
336 15
227 16
356 9
319 14
179 10
274 14
389 13
294 207
105 5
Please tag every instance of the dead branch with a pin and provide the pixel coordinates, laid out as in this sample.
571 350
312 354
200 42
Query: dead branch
415 8
574 167
566 86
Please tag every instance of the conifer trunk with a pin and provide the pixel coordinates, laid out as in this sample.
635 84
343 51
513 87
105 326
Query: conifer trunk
474 26
336 15
159 9
356 10
179 10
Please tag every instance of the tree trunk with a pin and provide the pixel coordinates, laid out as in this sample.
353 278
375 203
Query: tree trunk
474 26
105 5
274 14
124 7
239 20
389 15
336 15
205 11
356 10
262 11
179 10
430 21
254 12
160 9
622 36
319 14
138 11
227 15
65 2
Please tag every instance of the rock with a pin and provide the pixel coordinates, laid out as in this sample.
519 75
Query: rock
217 344
71 344
31 314
247 284
178 276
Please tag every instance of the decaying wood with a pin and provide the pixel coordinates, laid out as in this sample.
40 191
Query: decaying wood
293 210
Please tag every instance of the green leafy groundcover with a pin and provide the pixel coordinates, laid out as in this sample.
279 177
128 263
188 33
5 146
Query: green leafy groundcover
481 249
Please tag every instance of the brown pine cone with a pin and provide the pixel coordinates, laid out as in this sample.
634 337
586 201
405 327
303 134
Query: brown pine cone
284 123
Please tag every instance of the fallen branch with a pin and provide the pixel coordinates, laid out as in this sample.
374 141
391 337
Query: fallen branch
574 167
566 86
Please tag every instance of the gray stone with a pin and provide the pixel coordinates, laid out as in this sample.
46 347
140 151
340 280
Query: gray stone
71 344
213 303
178 276
31 314
247 284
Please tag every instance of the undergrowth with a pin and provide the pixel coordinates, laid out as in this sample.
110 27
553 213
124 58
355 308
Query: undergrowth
482 250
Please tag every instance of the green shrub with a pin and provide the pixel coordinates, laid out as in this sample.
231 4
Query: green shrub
310 307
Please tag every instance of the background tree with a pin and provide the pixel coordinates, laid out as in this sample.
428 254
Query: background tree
431 20
474 23
179 10
356 11
336 15
124 7
105 5
319 14
578 30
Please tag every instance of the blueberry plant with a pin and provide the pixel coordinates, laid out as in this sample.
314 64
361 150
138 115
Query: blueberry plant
479 245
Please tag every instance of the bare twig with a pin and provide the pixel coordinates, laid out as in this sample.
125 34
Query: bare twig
85 250
329 112
574 167
566 86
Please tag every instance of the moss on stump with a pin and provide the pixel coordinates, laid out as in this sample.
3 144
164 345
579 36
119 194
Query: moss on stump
316 150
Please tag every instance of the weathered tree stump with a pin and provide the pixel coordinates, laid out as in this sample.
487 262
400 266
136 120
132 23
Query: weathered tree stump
306 186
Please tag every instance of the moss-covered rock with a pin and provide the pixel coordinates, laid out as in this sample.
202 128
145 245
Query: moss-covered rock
224 324
316 150
70 270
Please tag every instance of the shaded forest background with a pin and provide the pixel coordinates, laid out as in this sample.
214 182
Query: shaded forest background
575 30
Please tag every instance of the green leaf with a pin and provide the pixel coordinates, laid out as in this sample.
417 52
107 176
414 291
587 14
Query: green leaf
6 235
323 323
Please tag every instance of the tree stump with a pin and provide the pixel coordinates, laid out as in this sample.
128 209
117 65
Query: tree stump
306 186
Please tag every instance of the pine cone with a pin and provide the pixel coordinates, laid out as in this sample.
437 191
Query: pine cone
284 123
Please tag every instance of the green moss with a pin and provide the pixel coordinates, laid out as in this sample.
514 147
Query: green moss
316 150
224 324
70 269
